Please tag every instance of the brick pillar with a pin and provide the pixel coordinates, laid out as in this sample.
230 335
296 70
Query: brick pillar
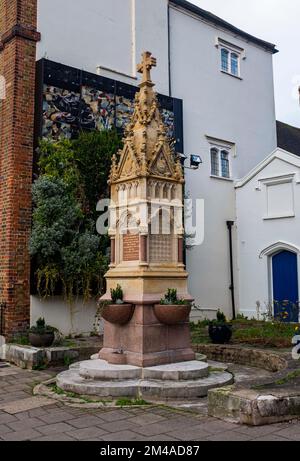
18 22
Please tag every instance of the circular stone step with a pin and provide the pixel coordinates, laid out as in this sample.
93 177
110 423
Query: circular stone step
177 371
71 381
100 369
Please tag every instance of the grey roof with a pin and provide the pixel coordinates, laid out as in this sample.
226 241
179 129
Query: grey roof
225 25
288 138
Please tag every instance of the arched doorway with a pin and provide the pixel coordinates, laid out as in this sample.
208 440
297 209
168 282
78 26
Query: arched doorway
285 285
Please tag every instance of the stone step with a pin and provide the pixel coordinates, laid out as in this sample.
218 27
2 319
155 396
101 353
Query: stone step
102 370
157 390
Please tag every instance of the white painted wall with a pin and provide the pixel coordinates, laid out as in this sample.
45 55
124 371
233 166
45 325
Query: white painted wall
223 107
74 320
256 233
113 34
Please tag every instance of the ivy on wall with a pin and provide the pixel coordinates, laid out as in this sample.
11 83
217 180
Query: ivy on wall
66 248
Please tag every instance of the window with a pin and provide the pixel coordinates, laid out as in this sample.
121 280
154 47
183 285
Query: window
231 57
225 61
220 165
230 62
214 161
225 164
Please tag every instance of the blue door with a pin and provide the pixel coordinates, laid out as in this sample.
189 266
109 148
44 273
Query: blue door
285 286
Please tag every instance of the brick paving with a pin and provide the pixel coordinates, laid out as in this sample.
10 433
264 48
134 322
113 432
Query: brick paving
58 422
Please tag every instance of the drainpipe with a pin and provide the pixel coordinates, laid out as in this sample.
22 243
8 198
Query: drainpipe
231 288
169 51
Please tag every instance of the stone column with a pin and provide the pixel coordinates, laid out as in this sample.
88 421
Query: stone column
112 251
144 248
180 250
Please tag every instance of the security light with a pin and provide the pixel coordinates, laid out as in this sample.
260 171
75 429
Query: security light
196 161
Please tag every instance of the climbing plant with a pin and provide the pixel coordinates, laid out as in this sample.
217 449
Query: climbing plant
65 246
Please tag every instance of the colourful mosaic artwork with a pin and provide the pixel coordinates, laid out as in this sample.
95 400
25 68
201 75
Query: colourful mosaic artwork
66 112
124 108
102 106
169 120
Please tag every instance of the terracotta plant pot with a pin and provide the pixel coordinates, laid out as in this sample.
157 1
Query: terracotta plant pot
41 340
171 314
119 314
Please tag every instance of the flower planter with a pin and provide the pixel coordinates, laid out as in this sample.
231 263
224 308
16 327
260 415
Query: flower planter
119 314
171 314
220 334
41 340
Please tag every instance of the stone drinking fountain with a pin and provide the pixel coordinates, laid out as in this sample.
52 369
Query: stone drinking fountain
147 345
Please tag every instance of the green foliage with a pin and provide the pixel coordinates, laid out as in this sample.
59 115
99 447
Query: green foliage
221 318
252 332
172 299
125 402
41 328
117 295
66 248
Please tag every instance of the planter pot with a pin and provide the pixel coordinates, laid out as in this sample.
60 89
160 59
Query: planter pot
220 334
41 340
173 313
119 314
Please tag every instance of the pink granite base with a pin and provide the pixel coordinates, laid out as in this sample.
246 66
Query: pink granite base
145 342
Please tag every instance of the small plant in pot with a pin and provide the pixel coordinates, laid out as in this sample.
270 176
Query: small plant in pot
41 335
171 309
117 311
220 332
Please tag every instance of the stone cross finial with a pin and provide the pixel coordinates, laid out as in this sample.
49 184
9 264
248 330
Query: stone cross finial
148 61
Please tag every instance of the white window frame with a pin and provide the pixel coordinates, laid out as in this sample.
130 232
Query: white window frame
231 49
221 146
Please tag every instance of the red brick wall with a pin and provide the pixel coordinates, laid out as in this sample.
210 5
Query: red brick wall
18 21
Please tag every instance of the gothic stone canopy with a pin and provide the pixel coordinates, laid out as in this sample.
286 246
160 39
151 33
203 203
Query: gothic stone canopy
147 150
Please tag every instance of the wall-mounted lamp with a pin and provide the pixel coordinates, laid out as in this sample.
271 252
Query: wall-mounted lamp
195 161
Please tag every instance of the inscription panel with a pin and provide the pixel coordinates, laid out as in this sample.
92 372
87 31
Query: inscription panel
131 247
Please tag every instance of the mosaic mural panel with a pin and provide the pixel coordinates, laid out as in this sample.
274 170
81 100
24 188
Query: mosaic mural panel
64 113
102 106
124 109
75 100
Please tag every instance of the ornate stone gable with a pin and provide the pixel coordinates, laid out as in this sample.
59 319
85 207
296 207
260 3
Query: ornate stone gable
147 149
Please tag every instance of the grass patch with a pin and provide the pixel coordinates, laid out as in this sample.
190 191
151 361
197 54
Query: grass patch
289 377
124 402
251 332
57 390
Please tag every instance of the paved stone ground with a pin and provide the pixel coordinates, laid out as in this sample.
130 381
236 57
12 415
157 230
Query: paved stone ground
45 420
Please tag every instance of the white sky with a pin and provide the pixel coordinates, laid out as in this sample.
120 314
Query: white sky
276 21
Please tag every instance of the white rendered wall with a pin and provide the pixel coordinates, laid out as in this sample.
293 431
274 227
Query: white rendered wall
110 34
256 234
226 108
76 320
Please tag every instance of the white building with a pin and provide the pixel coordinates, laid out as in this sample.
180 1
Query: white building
225 78
268 200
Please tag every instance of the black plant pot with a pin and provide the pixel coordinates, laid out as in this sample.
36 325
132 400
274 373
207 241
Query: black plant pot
220 334
41 340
